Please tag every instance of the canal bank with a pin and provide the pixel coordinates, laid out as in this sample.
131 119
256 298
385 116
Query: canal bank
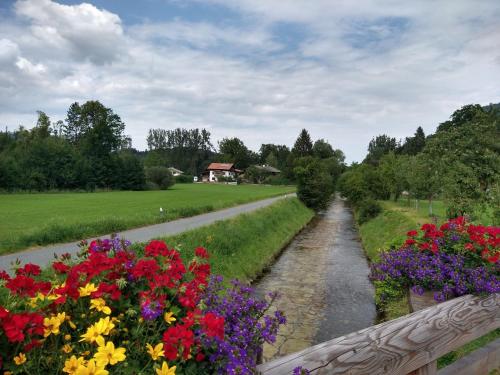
322 276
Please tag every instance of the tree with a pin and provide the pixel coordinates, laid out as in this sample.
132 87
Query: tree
233 150
187 149
42 128
322 149
160 176
303 145
74 128
314 185
414 145
378 147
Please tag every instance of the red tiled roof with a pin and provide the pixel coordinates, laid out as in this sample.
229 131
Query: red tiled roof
220 166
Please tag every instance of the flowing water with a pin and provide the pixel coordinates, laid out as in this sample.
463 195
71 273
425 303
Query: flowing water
322 277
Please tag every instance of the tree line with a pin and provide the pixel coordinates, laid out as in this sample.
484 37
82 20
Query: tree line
459 163
89 150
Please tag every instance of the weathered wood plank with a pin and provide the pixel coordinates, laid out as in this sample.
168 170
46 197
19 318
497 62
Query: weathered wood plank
479 362
428 369
399 346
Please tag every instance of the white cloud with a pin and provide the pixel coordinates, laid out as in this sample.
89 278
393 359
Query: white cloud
81 30
357 71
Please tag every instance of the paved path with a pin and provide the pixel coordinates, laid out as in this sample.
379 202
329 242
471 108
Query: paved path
44 255
323 279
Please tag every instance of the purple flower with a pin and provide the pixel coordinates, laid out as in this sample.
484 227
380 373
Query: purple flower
246 326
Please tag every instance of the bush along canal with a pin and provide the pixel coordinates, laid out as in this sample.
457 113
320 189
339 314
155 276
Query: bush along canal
322 277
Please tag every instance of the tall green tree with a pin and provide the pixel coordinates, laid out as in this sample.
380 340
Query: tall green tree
233 150
378 147
322 149
303 145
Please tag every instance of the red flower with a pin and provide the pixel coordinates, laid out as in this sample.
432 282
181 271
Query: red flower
60 267
156 248
469 246
13 326
213 325
28 270
4 275
434 248
412 233
494 259
425 246
410 241
201 252
22 285
175 338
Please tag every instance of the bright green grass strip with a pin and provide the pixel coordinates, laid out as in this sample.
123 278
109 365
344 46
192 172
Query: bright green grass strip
39 219
242 247
467 348
389 229
386 230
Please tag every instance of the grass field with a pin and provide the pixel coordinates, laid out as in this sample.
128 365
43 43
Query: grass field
389 229
36 219
243 246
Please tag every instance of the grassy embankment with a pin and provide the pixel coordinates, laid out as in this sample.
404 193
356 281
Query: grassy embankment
244 246
38 219
389 229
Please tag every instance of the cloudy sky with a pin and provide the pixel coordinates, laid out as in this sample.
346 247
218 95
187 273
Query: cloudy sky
256 69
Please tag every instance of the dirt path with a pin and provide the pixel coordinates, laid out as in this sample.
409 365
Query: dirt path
323 278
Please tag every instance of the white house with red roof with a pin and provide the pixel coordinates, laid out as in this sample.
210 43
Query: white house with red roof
216 170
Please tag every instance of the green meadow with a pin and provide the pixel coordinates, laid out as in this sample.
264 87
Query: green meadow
28 220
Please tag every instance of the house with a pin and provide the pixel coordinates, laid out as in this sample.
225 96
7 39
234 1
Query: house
175 172
216 170
268 169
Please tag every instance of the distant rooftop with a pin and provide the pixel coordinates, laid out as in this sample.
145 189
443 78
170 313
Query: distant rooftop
220 166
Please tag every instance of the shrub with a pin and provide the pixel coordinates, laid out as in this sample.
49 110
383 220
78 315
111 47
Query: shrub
129 312
277 180
315 185
184 179
368 209
160 176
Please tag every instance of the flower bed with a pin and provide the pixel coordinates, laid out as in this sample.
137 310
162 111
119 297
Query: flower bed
455 259
121 312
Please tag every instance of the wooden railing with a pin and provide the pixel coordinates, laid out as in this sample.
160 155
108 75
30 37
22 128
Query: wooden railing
407 345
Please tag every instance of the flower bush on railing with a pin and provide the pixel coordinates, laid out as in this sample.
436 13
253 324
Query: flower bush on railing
455 259
124 312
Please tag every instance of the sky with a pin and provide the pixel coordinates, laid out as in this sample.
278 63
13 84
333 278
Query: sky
260 70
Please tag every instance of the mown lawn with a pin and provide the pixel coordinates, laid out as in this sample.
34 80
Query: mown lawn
36 219
389 230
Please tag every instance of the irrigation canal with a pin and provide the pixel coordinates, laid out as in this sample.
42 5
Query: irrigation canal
322 277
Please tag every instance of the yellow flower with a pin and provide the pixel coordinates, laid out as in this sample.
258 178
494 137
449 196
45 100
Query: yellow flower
165 370
67 337
72 364
52 324
155 352
20 359
67 348
92 334
107 353
91 369
100 305
169 317
102 327
87 290
7 373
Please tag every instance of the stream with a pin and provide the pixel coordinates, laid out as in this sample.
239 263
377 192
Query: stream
322 276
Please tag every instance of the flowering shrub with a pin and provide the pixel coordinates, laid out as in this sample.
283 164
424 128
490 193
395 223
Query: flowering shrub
124 312
455 259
